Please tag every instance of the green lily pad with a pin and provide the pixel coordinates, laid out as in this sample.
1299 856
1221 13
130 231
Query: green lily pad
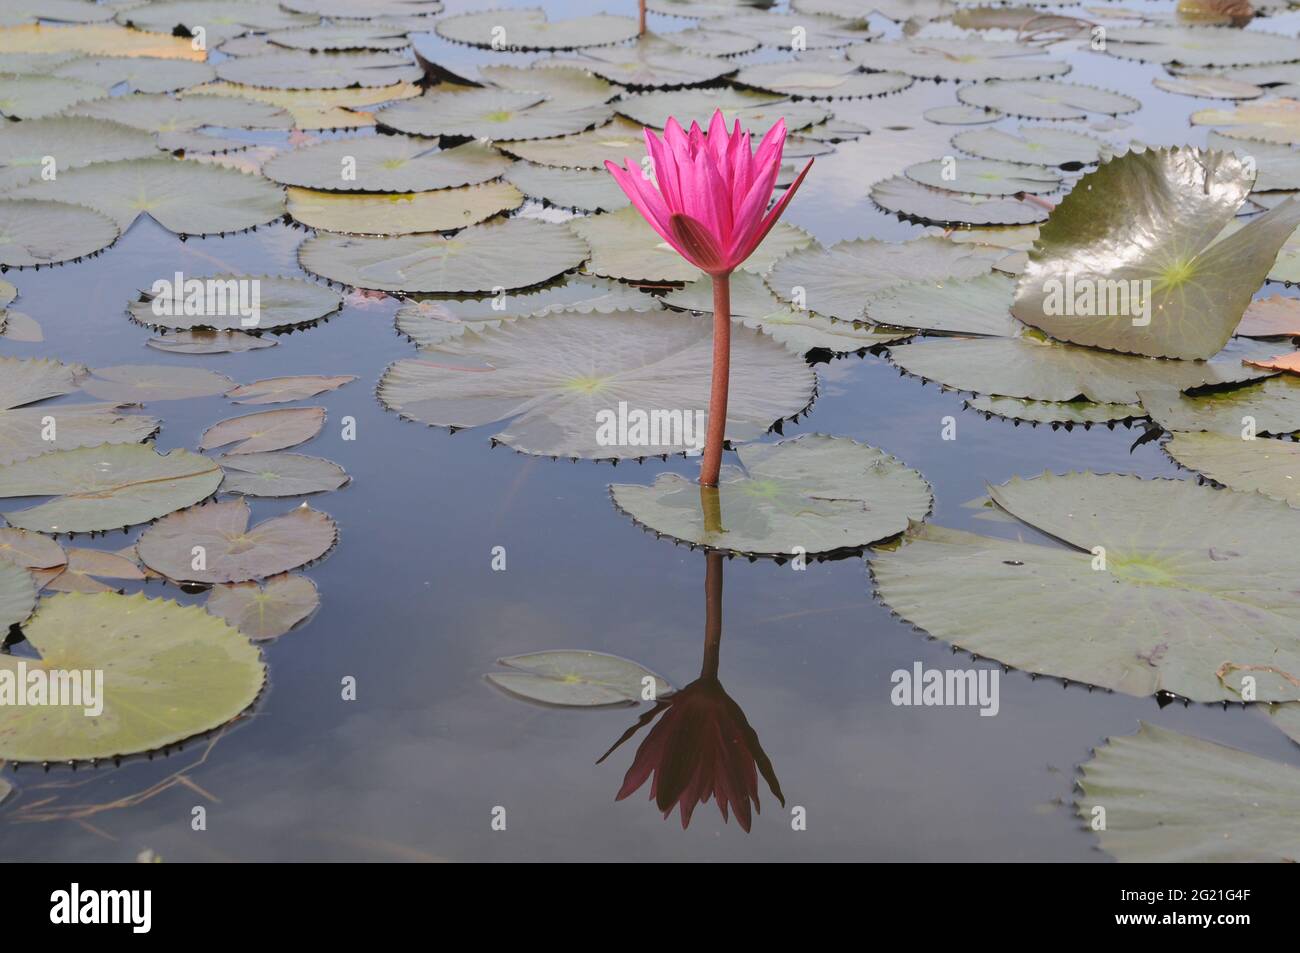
298 69
1195 591
814 495
554 377
513 253
264 431
911 200
34 232
979 305
1270 406
30 550
385 164
281 475
1083 413
282 303
106 487
1035 368
575 679
1171 798
1031 144
70 141
1141 276
233 552
141 74
835 281
1046 99
491 114
969 58
613 142
35 97
587 190
169 672
754 110
142 383
318 108
821 78
984 176
17 594
265 610
184 197
406 213
1270 467
653 62
528 29
1199 46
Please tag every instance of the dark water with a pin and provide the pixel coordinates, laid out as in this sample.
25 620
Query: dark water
410 607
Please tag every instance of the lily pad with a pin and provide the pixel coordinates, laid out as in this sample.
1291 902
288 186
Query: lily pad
588 190
282 303
899 11
980 305
552 377
171 117
710 42
1270 467
1270 406
30 550
15 12
513 253
35 97
140 74
655 63
365 9
71 142
347 35
280 475
754 110
95 39
835 281
820 78
1269 120
185 197
298 69
528 29
1037 368
318 108
31 431
1171 798
1277 167
385 164
406 213
170 672
220 19
17 594
106 487
491 114
86 567
1046 99
142 383
282 390
573 84
264 431
814 494
969 58
1141 276
1195 591
984 176
209 342
1276 316
575 679
1083 413
1032 144
921 203
265 610
35 232
961 116
1199 46
231 551
1205 86
612 142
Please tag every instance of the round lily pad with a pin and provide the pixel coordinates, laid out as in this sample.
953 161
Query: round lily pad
1046 99
210 342
912 200
1190 590
1208 87
897 10
1199 45
961 116
265 610
142 383
220 19
813 495
140 74
403 213
105 487
347 35
30 550
282 303
170 116
34 232
17 594
710 42
299 69
969 58
15 12
1040 145
1270 120
491 114
1070 413
613 142
25 432
264 431
283 390
557 379
318 108
821 79
979 305
1275 316
513 253
573 84
385 164
365 9
1270 467
231 551
588 190
984 176
574 679
71 141
655 63
754 110
168 672
280 474
1270 406
528 29
34 97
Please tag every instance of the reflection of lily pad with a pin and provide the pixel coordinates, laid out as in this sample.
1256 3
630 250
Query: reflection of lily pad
575 679
169 672
1270 467
36 232
1191 588
1046 99
1269 406
555 377
813 495
944 207
528 29
265 610
385 164
491 114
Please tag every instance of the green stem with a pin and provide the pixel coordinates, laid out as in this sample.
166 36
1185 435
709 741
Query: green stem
717 426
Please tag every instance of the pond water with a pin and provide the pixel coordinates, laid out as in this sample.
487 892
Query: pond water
413 768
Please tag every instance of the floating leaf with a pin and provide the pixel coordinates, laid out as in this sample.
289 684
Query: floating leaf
139 74
1269 406
1199 46
282 303
173 116
71 141
29 381
821 79
318 108
106 487
588 190
219 19
899 11
85 567
31 431
1173 798
1270 467
1045 99
17 594
30 550
980 305
348 35
1277 167
1271 120
612 142
754 110
1032 144
169 672
266 610
814 495
36 97
141 383
267 430
95 39
1205 86
232 552
59 11
385 164
1289 361
709 42
1278 316
513 253
573 83
1070 412
969 58
961 116
280 474
1141 276
209 342
653 62
34 232
297 69
984 176
367 9
553 376
575 679
491 114
406 213
944 207
528 29
281 390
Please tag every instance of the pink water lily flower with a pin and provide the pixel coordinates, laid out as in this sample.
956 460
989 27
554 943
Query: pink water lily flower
708 199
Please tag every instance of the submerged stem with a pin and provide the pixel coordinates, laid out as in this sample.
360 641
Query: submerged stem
712 461
713 614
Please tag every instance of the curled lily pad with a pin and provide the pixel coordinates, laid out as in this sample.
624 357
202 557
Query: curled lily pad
1199 46
513 253
282 303
298 69
71 141
185 197
1046 99
36 232
405 213
142 383
281 390
557 378
1083 413
265 610
34 97
589 190
979 305
574 679
280 474
1189 590
918 202
984 176
1042 145
528 29
1270 467
17 594
835 281
231 551
1037 368
267 430
821 78
1270 406
385 164
169 672
491 114
1145 278
813 495
1169 797
105 487
969 58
